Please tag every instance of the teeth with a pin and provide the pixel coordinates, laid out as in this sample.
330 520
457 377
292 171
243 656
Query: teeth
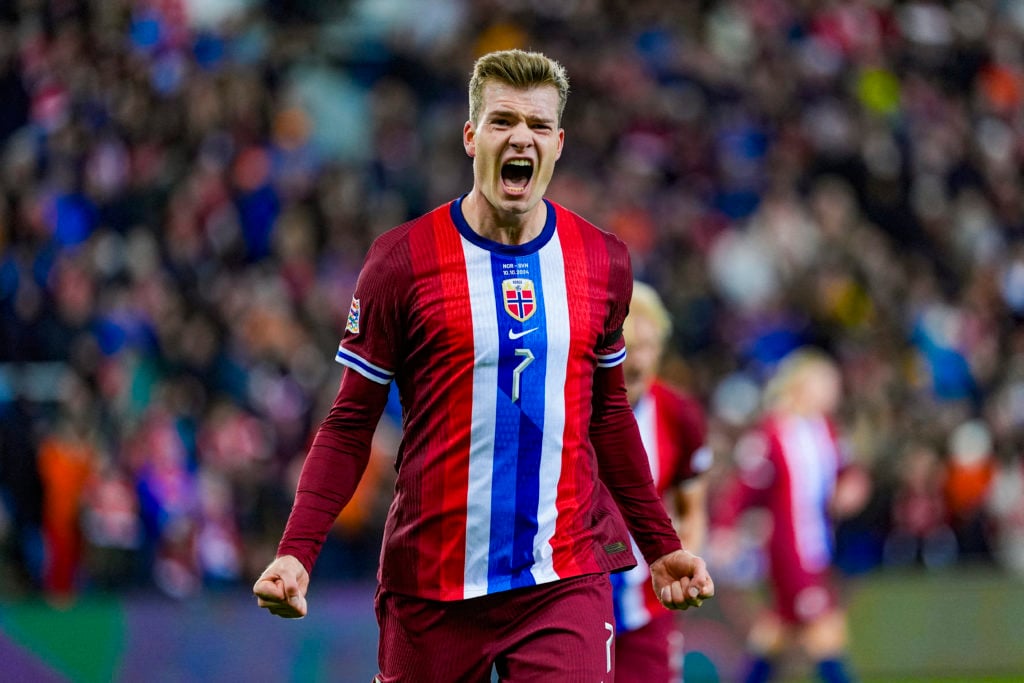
520 162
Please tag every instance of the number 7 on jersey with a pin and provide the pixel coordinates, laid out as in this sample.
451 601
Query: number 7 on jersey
517 373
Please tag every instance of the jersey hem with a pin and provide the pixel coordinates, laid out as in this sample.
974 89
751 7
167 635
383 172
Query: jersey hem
476 592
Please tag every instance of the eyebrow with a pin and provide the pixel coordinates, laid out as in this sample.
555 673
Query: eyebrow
509 113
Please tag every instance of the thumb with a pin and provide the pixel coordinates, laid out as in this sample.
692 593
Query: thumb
298 602
294 590
291 587
293 593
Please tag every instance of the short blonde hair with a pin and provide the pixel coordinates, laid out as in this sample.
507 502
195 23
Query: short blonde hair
517 68
647 303
792 370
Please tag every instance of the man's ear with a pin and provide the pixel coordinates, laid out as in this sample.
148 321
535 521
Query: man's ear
469 138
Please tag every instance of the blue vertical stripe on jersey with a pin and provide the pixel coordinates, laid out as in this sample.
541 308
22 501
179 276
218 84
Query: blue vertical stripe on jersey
521 423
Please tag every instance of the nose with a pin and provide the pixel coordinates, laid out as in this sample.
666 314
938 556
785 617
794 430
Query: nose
520 137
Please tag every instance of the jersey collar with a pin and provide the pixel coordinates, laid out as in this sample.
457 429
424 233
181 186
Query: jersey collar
530 247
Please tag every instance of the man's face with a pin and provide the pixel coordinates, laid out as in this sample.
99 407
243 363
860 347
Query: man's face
514 145
823 389
643 354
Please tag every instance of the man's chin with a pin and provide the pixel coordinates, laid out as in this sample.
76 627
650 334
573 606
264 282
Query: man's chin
515 203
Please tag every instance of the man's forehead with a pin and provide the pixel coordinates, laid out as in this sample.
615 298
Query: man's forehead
499 95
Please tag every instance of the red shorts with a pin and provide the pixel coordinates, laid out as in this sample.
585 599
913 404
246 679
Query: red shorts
650 654
560 631
802 596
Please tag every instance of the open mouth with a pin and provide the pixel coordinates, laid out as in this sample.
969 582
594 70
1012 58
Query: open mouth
516 174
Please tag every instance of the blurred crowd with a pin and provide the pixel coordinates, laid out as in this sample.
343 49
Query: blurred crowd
187 190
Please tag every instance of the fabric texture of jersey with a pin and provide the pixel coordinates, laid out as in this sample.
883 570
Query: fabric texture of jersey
494 349
674 434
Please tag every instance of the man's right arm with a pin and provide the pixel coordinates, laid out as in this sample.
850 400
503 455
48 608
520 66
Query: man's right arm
370 352
333 467
332 470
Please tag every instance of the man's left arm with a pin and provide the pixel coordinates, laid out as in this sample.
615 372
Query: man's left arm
681 579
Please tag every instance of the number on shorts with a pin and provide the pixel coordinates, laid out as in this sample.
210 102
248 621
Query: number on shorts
608 647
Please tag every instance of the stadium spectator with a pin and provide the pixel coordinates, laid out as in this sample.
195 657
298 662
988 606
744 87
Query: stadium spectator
66 460
1006 507
920 530
970 472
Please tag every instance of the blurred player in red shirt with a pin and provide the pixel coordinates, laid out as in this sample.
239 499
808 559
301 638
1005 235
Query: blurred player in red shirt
649 646
793 465
499 316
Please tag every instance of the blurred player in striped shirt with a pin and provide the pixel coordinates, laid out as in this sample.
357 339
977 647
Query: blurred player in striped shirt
649 645
794 466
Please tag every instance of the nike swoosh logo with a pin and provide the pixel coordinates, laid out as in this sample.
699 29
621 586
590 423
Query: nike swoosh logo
516 335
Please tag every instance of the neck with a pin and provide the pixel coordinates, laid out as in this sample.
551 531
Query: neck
503 227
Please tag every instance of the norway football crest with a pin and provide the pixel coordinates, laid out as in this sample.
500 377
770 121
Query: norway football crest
520 298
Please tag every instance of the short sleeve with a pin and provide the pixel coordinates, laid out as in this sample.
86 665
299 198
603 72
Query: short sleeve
372 341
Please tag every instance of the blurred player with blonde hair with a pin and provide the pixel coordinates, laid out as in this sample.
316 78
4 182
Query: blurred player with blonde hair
794 466
649 646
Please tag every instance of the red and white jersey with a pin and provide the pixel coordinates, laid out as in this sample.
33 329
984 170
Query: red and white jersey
790 466
494 349
674 433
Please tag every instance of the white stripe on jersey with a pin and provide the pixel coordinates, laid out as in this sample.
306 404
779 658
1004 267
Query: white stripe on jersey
481 440
372 372
556 307
610 360
807 451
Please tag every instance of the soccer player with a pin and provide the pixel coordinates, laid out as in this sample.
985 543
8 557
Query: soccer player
499 315
648 644
793 466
